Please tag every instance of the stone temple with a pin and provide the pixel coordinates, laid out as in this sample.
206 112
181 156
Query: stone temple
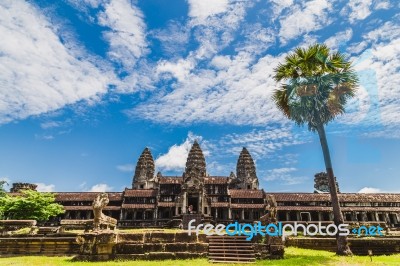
156 200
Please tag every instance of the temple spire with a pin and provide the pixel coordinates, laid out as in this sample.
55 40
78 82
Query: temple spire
144 168
196 163
246 170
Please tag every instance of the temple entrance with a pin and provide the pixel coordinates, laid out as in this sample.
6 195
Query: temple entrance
193 200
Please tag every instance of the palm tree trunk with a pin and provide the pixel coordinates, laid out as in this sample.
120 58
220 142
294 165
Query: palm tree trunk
342 245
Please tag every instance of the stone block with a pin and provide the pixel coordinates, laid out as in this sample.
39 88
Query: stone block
131 237
160 256
176 247
185 238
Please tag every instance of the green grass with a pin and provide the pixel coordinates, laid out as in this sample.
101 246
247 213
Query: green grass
293 256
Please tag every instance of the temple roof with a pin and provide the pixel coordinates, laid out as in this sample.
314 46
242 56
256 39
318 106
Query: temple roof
247 206
138 206
216 180
85 196
170 180
146 193
246 193
90 208
245 165
343 197
344 209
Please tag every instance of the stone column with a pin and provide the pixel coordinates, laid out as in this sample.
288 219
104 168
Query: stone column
287 216
242 214
229 213
298 216
134 215
319 216
184 208
216 213
376 216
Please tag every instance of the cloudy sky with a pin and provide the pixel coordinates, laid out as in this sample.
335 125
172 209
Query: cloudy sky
86 85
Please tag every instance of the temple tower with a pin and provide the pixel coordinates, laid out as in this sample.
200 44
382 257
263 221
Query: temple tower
246 171
192 199
321 183
195 164
144 172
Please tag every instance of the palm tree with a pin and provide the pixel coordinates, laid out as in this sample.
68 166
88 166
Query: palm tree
317 85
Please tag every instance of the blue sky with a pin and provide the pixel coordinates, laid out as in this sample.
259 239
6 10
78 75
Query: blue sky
86 85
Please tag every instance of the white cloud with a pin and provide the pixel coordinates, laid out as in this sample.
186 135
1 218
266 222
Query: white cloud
201 10
127 36
180 70
39 73
239 92
262 143
369 190
42 187
175 158
340 39
126 167
100 188
50 124
311 16
284 175
357 10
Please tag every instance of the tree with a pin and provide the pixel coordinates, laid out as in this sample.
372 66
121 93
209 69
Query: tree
31 205
316 86
2 195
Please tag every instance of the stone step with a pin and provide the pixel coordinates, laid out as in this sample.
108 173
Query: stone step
232 258
228 261
218 249
225 254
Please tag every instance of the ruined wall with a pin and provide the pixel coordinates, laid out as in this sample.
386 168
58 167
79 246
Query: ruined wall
59 245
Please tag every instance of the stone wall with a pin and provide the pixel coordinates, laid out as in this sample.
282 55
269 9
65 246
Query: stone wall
56 245
359 246
143 246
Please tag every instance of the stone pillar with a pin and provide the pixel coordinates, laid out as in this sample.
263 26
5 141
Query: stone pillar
376 216
216 213
331 217
319 216
387 218
242 214
298 216
229 214
287 216
134 215
184 208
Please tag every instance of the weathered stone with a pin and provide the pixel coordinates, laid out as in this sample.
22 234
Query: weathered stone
175 247
160 256
131 237
184 237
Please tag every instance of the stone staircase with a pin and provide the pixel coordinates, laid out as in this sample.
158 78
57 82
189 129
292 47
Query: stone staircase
230 249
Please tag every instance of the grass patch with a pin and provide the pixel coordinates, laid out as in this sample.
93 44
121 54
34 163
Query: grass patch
293 256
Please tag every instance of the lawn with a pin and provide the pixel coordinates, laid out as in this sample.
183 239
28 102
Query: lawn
293 256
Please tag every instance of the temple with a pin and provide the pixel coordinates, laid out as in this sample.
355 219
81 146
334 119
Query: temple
156 200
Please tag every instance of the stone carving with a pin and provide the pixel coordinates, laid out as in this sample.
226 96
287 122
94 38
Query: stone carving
270 217
102 221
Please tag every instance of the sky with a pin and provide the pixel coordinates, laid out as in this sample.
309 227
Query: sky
86 85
